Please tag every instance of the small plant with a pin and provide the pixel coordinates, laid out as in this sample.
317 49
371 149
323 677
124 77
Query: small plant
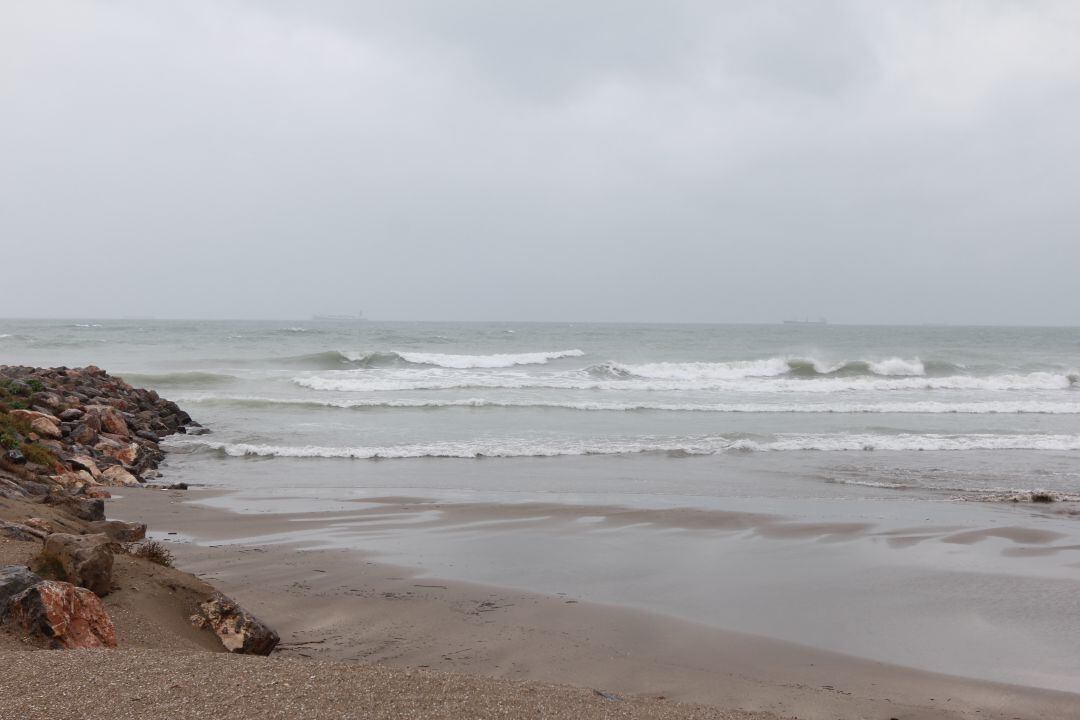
153 551
36 385
16 405
38 455
8 439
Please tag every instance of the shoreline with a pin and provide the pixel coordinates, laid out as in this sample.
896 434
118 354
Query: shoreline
370 611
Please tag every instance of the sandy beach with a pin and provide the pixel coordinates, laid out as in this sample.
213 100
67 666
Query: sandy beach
336 604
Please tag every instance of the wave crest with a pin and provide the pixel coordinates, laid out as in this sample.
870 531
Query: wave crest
776 367
459 362
710 445
201 379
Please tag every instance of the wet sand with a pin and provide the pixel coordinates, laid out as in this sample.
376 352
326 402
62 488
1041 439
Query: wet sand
342 604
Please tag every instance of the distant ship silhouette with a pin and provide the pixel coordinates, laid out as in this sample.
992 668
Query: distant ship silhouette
340 318
807 321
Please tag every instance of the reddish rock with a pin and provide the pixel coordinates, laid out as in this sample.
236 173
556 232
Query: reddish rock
86 560
239 631
97 492
43 526
63 616
111 419
128 454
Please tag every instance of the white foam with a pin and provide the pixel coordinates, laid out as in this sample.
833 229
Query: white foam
1033 407
898 366
465 362
516 447
407 379
696 371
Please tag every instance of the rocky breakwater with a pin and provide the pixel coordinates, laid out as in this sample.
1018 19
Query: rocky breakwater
70 434
66 437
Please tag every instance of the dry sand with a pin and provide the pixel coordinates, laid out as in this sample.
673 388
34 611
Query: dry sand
143 684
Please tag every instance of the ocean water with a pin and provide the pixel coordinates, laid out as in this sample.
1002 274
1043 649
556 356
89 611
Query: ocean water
897 457
371 390
997 408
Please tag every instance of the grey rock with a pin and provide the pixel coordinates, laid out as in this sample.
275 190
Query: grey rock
13 580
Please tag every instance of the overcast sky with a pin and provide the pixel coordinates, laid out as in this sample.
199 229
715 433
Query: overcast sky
548 160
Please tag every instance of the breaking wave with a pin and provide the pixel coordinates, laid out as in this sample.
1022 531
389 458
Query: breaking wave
776 367
335 360
460 362
711 445
1018 407
412 379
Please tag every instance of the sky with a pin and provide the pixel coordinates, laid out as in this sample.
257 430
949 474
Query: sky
870 162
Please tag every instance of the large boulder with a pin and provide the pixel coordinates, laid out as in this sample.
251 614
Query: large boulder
63 616
239 631
112 421
85 560
43 424
119 530
13 580
82 508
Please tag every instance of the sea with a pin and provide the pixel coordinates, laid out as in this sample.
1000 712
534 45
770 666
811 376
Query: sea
915 490
979 413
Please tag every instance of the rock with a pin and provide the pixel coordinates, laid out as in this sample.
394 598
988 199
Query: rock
34 488
128 455
9 488
62 615
85 462
85 560
15 456
50 401
17 531
41 525
13 580
44 425
83 434
46 428
71 414
96 491
178 486
117 476
82 508
111 419
119 530
239 631
73 480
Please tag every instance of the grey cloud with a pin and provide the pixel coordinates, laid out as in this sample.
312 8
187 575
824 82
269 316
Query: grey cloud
629 161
